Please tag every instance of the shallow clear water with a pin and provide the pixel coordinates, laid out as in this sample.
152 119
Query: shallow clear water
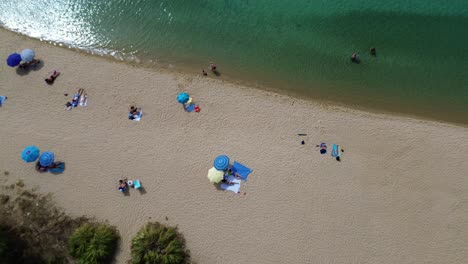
302 46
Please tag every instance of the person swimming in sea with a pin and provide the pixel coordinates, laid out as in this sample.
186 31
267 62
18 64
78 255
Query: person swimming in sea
355 58
373 51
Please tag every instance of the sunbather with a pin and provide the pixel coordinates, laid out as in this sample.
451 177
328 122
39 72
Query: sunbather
134 112
123 185
40 168
29 64
323 148
52 77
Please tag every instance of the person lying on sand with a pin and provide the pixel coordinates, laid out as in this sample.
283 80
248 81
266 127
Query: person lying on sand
123 185
29 64
323 148
134 112
52 77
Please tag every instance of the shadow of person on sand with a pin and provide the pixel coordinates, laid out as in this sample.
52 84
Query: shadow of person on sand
25 71
217 73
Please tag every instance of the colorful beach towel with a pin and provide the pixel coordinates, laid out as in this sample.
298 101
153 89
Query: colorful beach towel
335 151
231 187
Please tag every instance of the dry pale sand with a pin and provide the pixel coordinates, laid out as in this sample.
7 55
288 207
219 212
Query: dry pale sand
400 195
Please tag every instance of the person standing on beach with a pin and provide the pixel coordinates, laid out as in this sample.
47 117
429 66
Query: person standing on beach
213 67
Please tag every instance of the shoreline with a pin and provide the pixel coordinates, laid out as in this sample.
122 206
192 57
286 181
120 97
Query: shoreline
400 187
393 109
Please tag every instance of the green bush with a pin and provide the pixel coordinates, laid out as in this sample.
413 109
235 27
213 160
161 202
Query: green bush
158 244
93 243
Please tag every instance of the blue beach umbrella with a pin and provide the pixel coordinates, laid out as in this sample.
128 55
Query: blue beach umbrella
30 154
221 162
46 158
13 60
27 55
183 98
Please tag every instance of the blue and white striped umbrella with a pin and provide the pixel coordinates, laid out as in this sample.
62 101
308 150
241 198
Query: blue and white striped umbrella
221 162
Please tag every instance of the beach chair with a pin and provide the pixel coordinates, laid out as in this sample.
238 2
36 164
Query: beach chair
335 151
240 170
136 184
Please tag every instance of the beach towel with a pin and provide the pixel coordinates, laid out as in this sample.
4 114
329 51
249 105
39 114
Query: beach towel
2 99
84 100
231 187
335 151
241 170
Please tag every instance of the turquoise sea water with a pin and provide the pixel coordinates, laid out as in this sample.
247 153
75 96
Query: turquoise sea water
301 46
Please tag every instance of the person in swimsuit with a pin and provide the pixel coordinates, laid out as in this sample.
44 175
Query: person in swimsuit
123 185
52 77
212 66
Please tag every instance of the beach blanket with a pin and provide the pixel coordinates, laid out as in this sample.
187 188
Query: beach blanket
84 100
241 170
234 187
335 151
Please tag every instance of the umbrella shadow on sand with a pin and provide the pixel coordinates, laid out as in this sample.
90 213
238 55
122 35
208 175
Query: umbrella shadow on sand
37 67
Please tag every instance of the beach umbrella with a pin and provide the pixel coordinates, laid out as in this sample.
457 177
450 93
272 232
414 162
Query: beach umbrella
221 162
46 158
30 154
13 60
183 98
215 175
27 55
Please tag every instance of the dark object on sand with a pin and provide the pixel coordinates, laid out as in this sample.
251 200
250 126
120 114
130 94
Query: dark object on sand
302 142
40 168
323 148
204 73
26 65
355 58
302 134
338 158
373 51
52 77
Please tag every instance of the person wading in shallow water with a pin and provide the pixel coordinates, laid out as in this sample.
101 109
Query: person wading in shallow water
355 58
373 51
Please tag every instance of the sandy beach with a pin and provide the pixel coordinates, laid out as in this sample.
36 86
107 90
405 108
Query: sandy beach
399 195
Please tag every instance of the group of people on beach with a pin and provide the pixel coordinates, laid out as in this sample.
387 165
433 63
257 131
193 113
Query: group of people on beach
355 56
